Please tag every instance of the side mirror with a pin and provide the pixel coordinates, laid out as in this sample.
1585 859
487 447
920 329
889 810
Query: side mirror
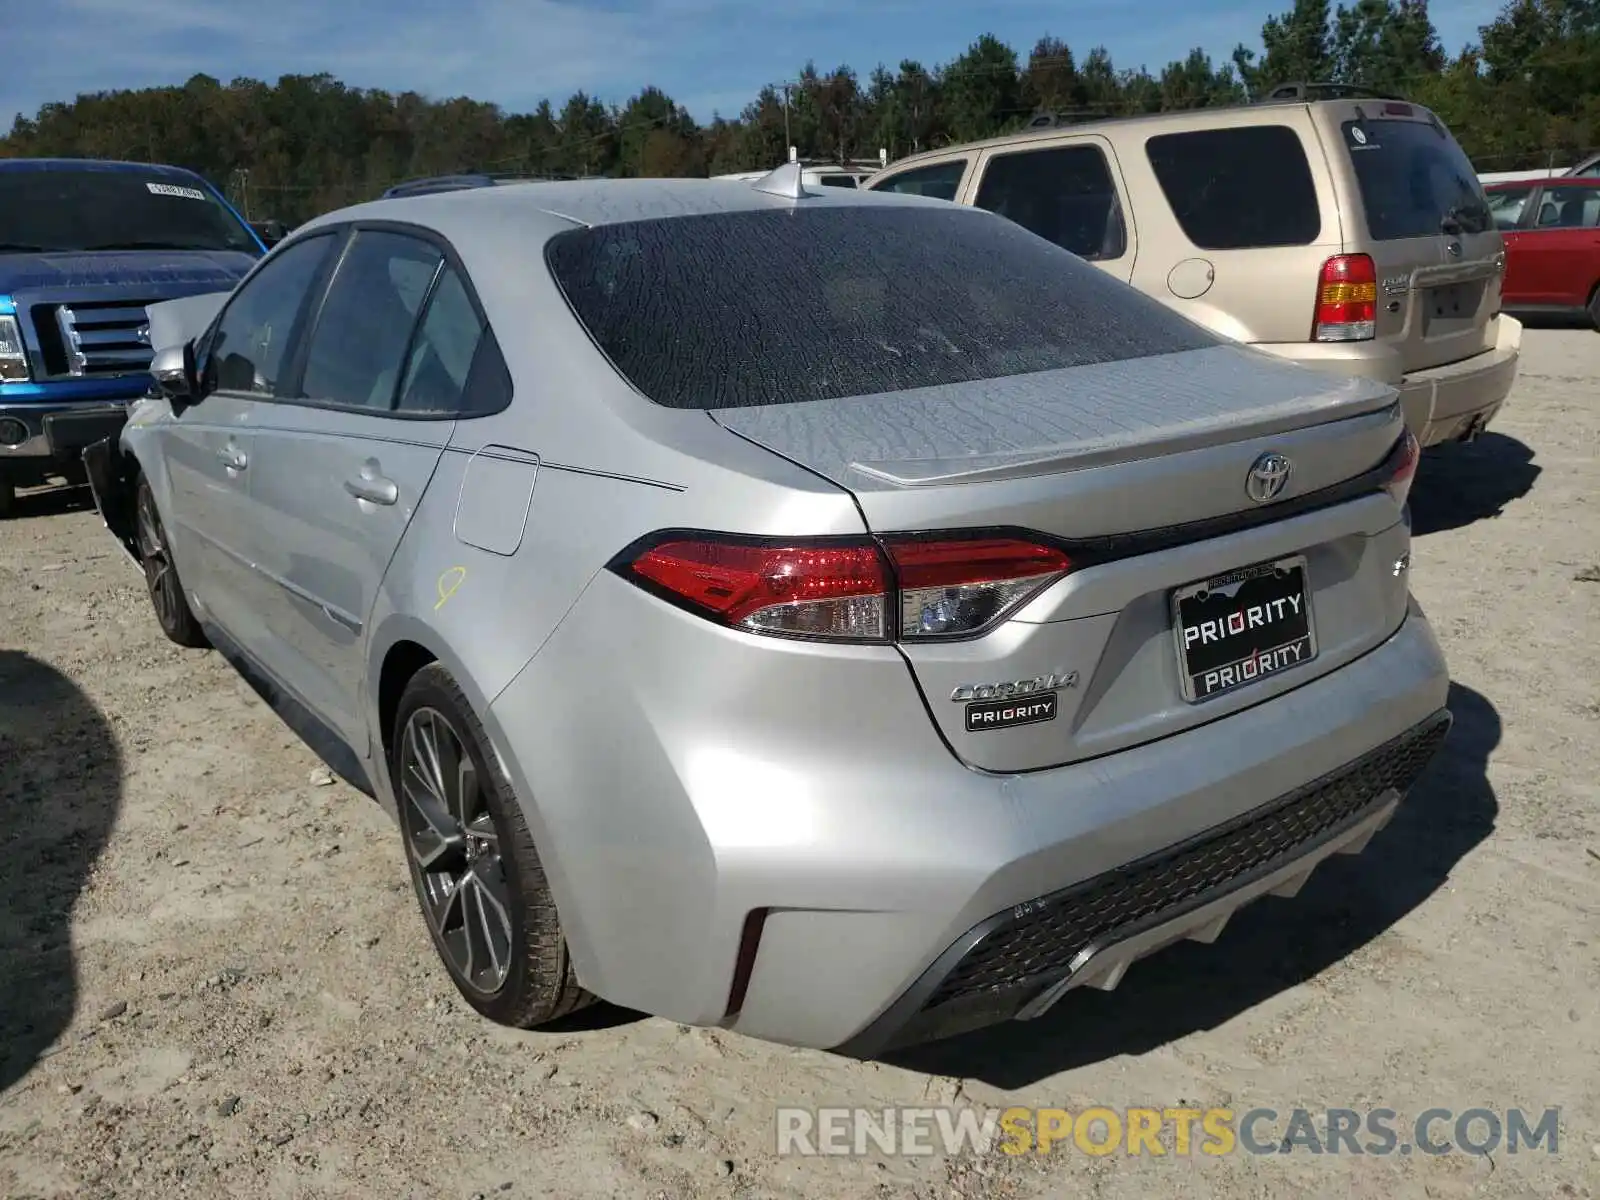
270 232
173 369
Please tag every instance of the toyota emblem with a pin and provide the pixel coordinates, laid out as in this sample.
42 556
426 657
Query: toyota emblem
1268 476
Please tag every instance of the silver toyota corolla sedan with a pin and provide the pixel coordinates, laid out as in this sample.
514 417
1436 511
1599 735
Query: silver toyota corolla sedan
841 617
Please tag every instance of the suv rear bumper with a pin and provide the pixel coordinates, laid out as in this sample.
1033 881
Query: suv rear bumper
1441 404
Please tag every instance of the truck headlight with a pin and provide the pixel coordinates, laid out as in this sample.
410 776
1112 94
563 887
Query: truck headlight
13 354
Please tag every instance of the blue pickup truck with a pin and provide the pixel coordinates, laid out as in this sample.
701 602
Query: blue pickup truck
84 247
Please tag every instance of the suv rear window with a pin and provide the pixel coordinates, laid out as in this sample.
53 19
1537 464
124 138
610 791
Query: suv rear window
1413 179
1238 189
1064 194
731 310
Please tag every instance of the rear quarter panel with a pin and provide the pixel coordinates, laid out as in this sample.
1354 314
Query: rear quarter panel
1256 295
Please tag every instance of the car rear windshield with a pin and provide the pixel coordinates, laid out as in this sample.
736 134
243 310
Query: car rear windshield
1415 180
89 210
732 310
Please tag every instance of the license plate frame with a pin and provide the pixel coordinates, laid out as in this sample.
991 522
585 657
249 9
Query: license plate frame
1285 637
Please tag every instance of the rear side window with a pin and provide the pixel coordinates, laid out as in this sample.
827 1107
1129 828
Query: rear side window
1414 180
730 310
939 181
358 348
1064 194
454 367
1238 189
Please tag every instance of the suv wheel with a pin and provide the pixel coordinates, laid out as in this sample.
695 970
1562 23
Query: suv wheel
171 606
8 498
1594 307
473 864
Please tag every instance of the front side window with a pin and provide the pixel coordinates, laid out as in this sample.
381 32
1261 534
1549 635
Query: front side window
729 310
941 181
248 348
1064 194
88 209
1245 188
1506 205
358 348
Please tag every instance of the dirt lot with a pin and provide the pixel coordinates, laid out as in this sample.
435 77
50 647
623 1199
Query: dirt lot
214 980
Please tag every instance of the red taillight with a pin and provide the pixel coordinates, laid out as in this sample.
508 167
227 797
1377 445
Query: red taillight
847 590
1347 300
952 588
1409 456
830 590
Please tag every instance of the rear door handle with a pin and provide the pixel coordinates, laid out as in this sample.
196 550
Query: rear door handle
373 488
233 458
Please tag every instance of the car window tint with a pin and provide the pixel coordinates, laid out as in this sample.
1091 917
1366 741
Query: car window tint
1064 194
1506 205
358 346
1237 189
776 306
1570 208
939 181
1414 180
441 356
247 351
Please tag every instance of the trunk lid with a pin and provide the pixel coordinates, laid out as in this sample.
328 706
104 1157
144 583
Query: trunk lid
1139 470
1414 203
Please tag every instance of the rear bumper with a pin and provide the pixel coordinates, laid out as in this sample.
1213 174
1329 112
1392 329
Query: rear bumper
1441 404
812 826
1456 401
1021 962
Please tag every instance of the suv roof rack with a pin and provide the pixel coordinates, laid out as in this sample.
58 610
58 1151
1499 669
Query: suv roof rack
1305 92
1075 116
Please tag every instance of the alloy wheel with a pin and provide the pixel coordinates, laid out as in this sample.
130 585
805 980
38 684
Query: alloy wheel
452 841
157 560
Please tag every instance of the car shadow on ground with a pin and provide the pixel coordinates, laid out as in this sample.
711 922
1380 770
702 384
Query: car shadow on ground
60 791
1470 481
1269 947
53 501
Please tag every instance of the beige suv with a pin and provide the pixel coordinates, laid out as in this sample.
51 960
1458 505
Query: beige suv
1349 234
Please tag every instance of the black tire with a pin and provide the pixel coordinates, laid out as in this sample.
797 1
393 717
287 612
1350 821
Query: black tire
8 498
495 926
1594 307
161 580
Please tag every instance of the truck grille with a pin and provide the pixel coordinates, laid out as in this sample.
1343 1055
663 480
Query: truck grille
1041 945
94 339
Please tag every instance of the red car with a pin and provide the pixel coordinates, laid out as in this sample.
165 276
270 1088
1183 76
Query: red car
1552 234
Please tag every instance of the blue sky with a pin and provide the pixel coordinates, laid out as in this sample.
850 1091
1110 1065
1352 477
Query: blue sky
707 54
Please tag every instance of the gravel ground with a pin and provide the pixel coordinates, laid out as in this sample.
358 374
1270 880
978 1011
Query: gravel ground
214 980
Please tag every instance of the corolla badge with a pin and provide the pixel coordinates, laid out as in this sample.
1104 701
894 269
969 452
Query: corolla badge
1268 476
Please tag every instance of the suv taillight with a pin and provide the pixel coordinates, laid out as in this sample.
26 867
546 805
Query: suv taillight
1347 300
1405 470
857 590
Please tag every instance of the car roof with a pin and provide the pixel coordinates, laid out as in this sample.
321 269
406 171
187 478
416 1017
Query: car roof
107 166
1188 118
1555 181
592 202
